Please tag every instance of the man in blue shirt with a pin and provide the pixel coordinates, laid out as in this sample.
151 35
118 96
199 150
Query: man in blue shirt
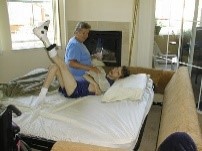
77 56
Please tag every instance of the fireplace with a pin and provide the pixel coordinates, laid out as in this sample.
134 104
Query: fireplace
108 43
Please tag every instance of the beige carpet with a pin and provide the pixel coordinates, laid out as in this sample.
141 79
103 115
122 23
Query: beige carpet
150 134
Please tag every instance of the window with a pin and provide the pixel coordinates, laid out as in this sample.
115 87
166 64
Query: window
24 15
179 33
177 23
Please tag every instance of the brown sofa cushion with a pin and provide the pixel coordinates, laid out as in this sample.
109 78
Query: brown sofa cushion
179 111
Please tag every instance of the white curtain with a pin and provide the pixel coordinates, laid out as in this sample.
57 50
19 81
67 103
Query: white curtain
56 22
135 12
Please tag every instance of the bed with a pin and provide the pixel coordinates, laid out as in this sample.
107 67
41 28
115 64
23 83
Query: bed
109 120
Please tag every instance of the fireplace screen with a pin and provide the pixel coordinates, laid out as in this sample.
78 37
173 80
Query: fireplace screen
108 43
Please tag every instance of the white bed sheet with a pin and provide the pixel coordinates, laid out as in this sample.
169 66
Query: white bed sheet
86 119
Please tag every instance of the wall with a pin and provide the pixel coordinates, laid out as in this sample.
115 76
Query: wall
16 63
100 10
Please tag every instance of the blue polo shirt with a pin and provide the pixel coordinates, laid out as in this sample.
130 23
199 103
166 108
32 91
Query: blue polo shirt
76 50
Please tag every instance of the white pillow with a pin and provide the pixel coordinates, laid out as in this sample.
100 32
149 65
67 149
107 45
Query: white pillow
131 87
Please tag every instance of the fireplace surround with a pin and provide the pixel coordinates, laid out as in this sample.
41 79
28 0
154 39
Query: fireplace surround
108 43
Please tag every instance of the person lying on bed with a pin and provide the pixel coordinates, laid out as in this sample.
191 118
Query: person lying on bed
69 85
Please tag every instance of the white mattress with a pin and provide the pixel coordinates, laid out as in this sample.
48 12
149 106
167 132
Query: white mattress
87 119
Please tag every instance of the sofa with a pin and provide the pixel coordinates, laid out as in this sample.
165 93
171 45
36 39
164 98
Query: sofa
178 108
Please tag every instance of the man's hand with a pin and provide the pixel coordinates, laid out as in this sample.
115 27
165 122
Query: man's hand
77 65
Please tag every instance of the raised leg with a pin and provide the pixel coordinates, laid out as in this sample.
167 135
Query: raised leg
53 72
64 75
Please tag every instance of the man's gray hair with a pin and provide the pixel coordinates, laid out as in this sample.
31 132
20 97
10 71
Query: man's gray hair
81 25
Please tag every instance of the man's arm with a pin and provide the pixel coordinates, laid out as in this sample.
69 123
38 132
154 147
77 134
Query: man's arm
76 64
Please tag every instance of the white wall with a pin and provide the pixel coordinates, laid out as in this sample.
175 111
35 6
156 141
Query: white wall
100 10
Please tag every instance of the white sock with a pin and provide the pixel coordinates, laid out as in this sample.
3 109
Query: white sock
43 92
52 53
42 95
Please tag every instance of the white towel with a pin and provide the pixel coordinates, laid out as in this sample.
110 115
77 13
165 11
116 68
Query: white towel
100 79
